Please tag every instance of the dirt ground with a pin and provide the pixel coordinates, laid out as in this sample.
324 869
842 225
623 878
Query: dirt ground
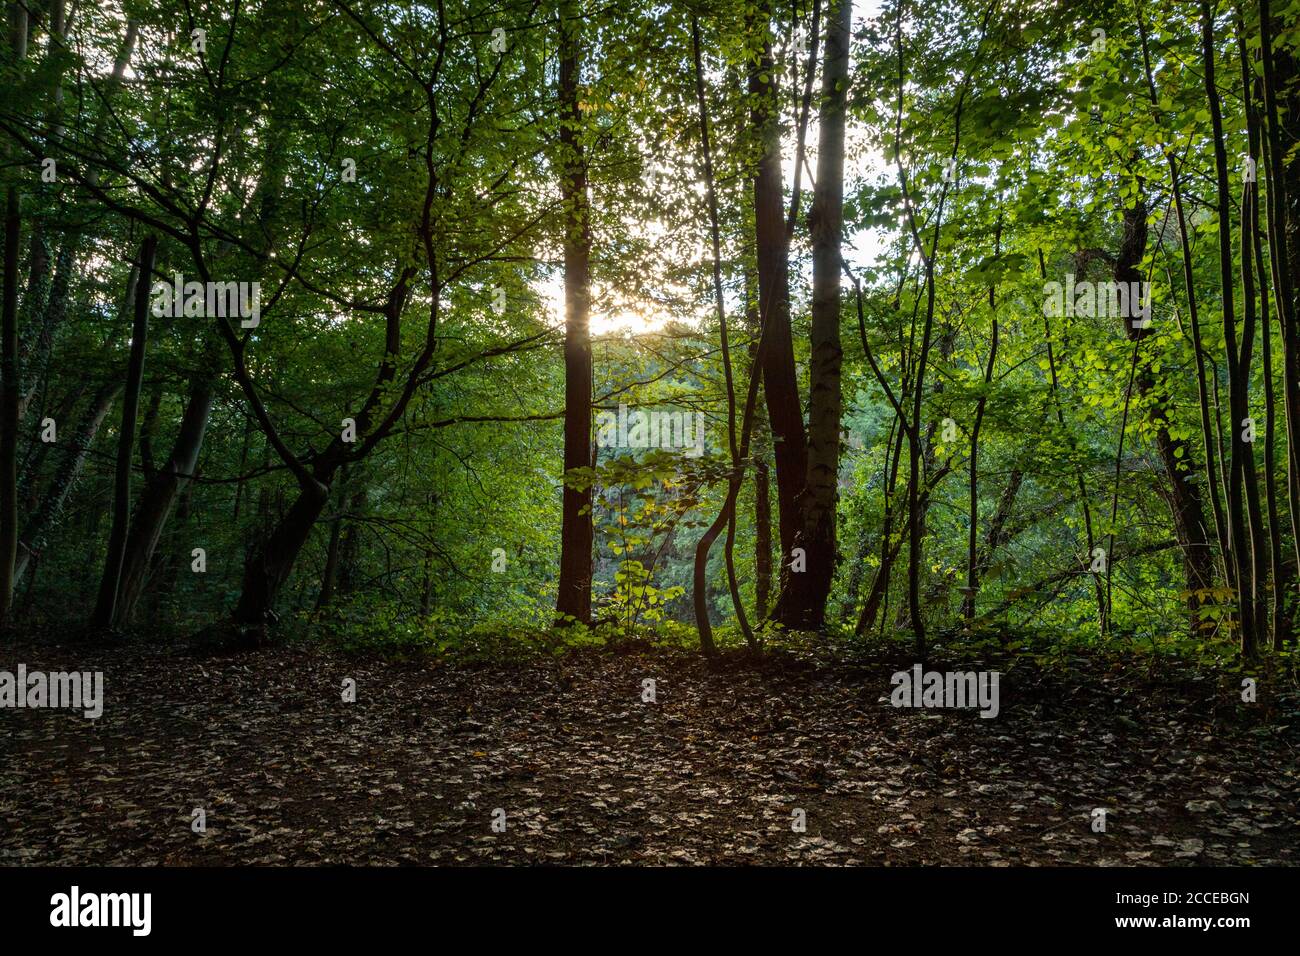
714 770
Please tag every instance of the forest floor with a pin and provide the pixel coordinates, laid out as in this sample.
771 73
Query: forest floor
587 772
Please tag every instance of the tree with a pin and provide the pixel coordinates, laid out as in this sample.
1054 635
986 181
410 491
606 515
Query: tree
576 535
826 222
106 605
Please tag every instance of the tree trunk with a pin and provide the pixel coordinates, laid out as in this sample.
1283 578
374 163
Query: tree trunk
1260 546
780 381
826 221
1283 583
889 544
9 410
1283 195
1238 384
573 601
159 496
737 477
38 288
762 539
762 473
106 604
969 602
269 565
9 369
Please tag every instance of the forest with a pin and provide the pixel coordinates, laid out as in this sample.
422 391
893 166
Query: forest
515 402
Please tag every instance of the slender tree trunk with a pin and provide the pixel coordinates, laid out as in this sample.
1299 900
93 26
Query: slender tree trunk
1238 383
1282 572
737 475
9 368
1260 545
106 605
890 544
1281 131
762 473
1283 580
968 603
158 497
803 103
38 290
889 548
858 564
9 410
930 475
1185 506
826 222
1281 224
780 380
916 475
762 539
577 536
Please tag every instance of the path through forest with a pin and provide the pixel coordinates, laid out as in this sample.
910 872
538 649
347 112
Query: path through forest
587 772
